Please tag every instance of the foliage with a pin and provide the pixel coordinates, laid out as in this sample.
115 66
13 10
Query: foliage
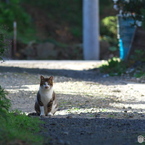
4 103
19 129
138 56
109 31
4 40
134 9
15 127
109 25
114 67
61 13
65 13
139 69
143 15
139 74
13 11
103 5
117 67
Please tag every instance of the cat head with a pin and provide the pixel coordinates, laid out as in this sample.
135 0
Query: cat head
46 83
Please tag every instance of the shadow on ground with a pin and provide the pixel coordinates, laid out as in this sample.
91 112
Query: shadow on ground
84 75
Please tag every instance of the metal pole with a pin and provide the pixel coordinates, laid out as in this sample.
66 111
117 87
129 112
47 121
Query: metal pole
91 29
15 37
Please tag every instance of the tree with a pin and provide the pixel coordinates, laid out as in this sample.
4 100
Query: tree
132 8
91 29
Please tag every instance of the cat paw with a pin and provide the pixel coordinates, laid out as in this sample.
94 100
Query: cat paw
50 114
42 115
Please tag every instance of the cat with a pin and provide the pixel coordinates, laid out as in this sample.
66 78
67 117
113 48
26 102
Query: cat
46 103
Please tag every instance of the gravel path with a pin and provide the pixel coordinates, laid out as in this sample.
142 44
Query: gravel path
94 108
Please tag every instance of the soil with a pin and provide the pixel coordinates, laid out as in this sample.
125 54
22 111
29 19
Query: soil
94 108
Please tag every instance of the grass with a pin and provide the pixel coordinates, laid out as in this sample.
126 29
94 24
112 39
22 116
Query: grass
117 67
114 67
17 128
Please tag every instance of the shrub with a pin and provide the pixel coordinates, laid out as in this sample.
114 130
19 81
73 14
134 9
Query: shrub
114 67
4 103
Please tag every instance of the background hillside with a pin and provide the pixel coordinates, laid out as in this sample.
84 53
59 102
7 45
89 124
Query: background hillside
57 25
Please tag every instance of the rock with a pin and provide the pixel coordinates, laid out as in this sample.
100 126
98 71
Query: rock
40 51
129 107
131 115
142 115
97 115
65 133
125 111
69 116
30 50
117 91
45 50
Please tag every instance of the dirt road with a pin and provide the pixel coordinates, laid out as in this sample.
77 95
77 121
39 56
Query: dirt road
93 107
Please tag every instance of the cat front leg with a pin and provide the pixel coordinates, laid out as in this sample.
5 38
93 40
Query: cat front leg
42 113
41 106
49 108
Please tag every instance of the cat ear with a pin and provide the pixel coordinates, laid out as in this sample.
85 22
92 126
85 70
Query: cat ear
41 77
51 78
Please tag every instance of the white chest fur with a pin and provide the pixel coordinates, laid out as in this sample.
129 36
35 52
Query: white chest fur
46 95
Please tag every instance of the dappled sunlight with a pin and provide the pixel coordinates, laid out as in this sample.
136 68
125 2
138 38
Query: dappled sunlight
77 88
14 89
85 99
44 64
98 113
78 96
89 111
131 106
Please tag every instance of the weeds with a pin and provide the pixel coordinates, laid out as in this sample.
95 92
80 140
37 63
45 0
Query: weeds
117 67
16 127
114 67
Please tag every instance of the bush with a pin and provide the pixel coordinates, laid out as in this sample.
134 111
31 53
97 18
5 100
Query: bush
109 26
114 67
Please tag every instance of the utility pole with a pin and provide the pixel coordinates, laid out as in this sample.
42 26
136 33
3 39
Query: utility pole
91 29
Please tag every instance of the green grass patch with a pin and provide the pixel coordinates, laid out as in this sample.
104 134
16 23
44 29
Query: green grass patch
17 127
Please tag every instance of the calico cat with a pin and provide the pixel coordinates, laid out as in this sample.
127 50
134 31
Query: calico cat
46 104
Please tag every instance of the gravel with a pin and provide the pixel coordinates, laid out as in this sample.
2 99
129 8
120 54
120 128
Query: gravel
94 108
82 131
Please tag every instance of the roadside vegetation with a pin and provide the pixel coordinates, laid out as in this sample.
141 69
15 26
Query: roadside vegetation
16 127
117 67
134 66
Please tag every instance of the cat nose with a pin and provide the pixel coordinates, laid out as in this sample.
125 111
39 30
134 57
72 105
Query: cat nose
46 87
